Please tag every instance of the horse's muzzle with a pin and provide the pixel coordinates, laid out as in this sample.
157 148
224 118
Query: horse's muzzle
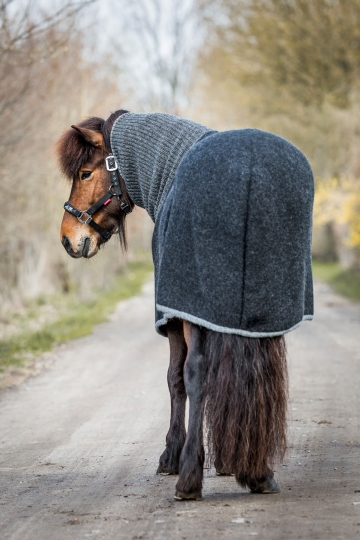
83 247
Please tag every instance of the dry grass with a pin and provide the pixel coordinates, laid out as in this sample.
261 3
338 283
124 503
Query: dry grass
344 282
77 320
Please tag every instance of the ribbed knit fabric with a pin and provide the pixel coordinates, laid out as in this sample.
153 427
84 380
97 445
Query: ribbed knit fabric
148 149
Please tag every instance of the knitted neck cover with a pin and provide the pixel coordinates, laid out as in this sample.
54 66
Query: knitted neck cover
148 149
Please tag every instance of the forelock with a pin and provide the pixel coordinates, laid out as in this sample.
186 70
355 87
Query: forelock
73 151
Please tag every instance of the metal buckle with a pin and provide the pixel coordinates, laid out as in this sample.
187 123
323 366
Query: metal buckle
86 221
111 164
125 207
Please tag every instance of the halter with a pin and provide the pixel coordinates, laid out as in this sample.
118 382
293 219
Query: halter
85 216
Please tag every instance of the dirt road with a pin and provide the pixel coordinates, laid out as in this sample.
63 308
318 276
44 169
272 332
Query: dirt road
80 443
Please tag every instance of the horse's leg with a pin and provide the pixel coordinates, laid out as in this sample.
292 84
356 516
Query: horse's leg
192 456
175 439
221 470
266 484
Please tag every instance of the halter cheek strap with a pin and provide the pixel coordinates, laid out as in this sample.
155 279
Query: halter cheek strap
85 216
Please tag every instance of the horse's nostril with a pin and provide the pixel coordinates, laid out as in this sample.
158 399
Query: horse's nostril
86 247
66 243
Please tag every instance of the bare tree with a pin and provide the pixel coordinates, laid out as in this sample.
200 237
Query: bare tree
307 50
26 37
35 68
159 46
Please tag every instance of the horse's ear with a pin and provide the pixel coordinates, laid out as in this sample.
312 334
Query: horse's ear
95 138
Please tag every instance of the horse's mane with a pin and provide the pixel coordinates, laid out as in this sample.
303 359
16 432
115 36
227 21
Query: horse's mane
73 151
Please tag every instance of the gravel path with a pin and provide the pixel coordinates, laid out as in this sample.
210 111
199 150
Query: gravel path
81 441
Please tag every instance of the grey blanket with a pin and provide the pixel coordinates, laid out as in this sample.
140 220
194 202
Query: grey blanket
232 242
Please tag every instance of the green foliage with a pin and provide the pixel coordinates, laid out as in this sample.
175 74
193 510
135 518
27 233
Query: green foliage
308 49
291 67
344 282
78 321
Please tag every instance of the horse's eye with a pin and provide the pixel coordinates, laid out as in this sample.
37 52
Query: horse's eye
85 175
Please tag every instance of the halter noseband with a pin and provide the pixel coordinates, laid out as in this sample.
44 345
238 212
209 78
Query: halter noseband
85 216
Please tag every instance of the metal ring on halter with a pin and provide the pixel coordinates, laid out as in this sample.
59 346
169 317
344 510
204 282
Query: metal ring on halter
87 221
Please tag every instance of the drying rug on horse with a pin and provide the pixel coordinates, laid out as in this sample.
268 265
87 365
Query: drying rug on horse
233 219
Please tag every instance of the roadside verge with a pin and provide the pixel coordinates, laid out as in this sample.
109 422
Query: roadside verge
76 319
344 282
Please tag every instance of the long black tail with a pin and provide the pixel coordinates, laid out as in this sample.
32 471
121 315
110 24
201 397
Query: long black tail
245 403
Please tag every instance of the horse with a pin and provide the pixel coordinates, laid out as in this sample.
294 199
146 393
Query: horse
237 385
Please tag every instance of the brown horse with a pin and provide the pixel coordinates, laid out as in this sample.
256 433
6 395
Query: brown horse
236 385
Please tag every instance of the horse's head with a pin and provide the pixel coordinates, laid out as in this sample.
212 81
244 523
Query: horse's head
82 151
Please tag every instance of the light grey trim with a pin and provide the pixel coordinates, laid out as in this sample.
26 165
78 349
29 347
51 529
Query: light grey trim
170 313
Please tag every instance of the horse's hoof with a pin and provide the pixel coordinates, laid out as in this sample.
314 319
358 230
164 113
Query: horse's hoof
223 472
180 496
165 471
268 485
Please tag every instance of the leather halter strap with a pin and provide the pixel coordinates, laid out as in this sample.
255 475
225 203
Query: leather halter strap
85 216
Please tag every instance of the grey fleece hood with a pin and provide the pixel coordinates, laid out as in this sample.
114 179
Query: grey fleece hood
148 149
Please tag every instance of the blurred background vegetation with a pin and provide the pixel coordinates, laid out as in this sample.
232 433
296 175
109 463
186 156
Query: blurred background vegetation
293 67
288 66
